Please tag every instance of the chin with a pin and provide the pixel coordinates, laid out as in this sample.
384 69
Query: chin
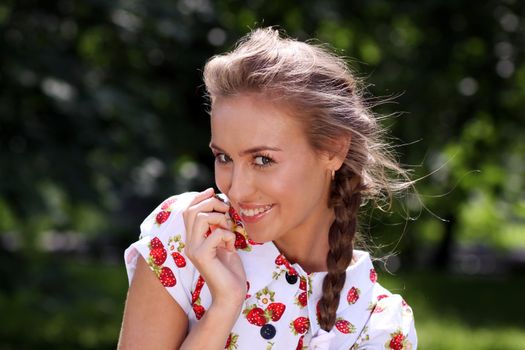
258 237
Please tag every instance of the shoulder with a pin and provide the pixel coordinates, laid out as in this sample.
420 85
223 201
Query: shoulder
390 307
161 244
384 317
391 322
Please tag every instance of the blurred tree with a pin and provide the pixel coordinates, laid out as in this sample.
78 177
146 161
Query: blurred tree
99 98
102 108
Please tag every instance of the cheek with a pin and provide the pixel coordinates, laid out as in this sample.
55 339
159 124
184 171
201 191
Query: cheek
222 179
286 183
299 183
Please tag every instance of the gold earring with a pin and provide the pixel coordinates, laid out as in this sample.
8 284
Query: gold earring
333 175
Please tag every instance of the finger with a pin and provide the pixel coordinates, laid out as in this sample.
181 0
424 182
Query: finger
209 205
202 224
219 238
189 214
202 196
222 197
230 243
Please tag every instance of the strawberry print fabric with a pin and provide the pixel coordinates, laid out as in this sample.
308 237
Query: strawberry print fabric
280 310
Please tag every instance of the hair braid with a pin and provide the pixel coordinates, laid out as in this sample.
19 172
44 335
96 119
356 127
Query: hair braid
345 198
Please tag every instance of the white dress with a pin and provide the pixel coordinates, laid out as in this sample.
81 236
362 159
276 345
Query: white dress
279 311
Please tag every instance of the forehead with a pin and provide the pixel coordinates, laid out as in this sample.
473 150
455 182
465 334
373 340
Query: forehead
251 119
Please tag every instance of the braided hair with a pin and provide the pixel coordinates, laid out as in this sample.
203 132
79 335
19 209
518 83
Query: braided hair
341 241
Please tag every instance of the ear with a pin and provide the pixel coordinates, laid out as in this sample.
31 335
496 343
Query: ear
336 158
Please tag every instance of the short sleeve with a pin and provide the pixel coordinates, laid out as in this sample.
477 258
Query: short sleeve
161 243
391 326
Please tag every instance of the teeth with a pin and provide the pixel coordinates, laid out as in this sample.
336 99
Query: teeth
253 212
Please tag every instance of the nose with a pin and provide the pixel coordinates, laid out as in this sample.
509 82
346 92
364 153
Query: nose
241 185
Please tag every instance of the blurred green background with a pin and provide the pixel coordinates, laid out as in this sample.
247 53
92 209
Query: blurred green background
102 117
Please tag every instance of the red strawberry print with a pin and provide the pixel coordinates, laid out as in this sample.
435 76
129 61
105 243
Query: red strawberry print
373 275
247 290
382 296
252 242
179 259
300 325
199 311
197 291
240 241
200 282
162 217
256 316
318 310
233 214
377 309
280 260
300 343
302 300
344 326
231 342
353 295
397 341
155 243
158 256
302 284
276 310
167 278
167 203
228 342
291 271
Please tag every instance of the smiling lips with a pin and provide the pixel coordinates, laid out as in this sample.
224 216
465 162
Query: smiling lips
254 214
255 211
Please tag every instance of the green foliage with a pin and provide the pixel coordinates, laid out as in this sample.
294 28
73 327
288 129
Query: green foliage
102 99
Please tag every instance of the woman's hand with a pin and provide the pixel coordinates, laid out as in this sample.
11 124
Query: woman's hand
214 255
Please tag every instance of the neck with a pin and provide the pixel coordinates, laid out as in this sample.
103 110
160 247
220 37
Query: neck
308 248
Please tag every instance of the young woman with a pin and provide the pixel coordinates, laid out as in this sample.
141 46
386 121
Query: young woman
270 263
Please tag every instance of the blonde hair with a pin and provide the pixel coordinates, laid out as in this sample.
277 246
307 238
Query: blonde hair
324 95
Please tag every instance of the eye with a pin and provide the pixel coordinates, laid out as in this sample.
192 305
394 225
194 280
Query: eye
262 161
222 158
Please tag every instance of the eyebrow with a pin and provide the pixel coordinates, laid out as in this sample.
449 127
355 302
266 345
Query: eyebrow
249 150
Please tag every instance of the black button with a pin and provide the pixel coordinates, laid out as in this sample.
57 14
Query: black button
292 279
268 331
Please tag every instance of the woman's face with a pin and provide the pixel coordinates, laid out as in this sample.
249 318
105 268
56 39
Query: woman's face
264 164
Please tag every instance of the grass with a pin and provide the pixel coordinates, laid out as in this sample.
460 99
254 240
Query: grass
60 303
463 312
